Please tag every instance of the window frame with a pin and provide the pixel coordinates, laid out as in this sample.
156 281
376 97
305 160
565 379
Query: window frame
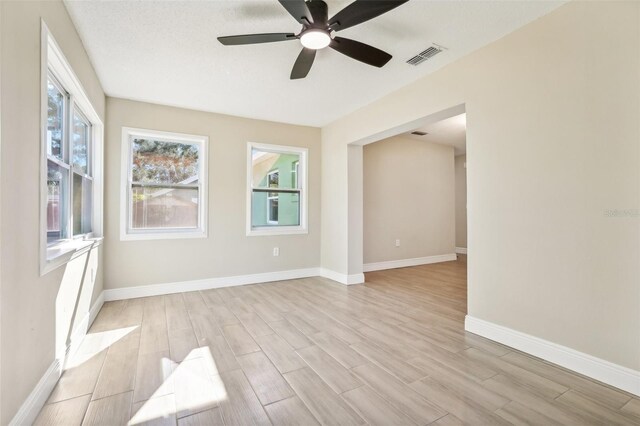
126 182
302 178
55 67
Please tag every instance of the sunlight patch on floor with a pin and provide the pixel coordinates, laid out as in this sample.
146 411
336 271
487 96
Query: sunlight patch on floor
94 343
162 407
194 385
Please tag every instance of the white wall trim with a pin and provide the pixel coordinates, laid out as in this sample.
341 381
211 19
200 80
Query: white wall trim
596 368
81 330
95 309
342 278
403 263
461 250
206 284
31 407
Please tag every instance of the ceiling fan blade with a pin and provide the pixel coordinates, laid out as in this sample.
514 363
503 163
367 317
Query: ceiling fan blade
255 38
319 12
299 10
303 63
360 51
360 11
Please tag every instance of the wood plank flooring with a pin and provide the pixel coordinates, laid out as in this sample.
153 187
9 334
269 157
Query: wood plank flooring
311 351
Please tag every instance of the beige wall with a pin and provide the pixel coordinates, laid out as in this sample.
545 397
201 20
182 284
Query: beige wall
552 131
227 251
36 311
409 194
461 201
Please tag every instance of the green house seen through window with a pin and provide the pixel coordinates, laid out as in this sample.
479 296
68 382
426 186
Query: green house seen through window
276 188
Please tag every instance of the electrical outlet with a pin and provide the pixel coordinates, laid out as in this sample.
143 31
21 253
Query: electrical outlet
276 251
397 243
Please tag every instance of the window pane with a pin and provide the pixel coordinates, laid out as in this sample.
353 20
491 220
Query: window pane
272 209
273 179
274 170
57 178
80 151
161 208
77 204
275 209
82 189
55 121
164 162
87 207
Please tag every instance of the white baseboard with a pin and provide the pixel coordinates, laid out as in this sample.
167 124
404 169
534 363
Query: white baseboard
342 278
604 371
206 284
31 407
82 328
461 250
403 263
95 309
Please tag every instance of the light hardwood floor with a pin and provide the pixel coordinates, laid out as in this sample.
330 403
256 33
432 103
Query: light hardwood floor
311 351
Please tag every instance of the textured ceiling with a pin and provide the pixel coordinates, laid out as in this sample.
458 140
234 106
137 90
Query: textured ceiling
451 131
167 52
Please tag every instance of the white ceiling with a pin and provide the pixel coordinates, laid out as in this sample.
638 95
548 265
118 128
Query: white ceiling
167 52
451 131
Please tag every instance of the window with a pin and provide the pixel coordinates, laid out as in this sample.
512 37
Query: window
69 181
71 191
164 181
276 196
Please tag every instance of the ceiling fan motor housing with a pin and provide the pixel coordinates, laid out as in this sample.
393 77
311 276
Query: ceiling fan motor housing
316 35
320 14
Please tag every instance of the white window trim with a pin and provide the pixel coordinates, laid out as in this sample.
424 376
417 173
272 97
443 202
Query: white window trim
302 180
296 170
52 58
127 234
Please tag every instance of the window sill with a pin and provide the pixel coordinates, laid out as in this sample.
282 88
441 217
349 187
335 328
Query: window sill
142 236
276 231
63 253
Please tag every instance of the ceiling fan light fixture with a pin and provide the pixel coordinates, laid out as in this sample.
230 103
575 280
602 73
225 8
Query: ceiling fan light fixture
318 32
315 39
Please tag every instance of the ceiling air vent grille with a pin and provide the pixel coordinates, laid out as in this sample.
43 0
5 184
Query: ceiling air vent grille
425 54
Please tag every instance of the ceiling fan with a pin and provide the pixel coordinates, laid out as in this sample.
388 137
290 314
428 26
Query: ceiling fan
318 31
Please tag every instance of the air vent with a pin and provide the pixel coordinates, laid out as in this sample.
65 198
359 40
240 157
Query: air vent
425 54
418 133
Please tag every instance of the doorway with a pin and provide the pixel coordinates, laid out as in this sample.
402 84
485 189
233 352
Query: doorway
414 196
